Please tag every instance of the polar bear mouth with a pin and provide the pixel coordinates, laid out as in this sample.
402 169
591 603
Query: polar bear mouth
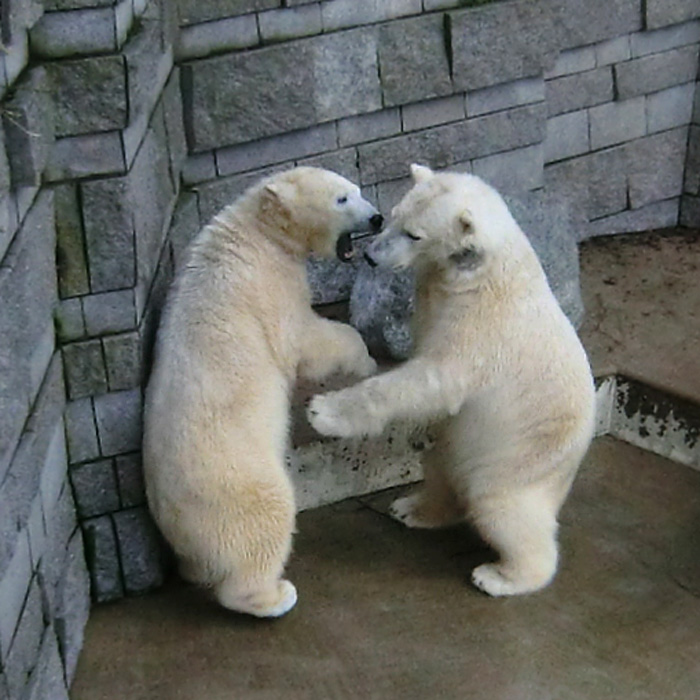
344 247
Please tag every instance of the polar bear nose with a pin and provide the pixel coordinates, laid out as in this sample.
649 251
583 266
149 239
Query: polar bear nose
376 222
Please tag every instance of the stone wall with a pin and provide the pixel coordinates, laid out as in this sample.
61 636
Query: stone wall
127 123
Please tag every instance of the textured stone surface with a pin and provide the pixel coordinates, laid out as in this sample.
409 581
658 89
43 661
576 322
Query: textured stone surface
110 312
382 301
505 96
83 156
140 548
124 359
670 108
184 225
95 488
422 115
656 215
672 37
567 136
660 13
28 119
484 54
617 122
28 293
102 559
338 14
81 432
231 34
70 242
47 680
101 108
290 23
581 23
577 91
369 127
514 171
656 72
336 76
613 51
193 11
445 145
413 60
85 369
14 584
118 417
132 491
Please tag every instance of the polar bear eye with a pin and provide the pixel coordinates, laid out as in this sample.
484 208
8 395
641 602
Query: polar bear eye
412 236
342 200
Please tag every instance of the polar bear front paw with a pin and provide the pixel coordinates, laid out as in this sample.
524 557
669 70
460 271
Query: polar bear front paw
326 416
407 510
365 367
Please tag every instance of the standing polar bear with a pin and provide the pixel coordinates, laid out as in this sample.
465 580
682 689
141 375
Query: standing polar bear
497 366
236 332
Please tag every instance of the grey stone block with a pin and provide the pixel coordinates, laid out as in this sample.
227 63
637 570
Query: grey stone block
332 281
215 195
124 358
443 110
151 195
581 23
25 647
617 122
132 490
382 302
193 11
102 107
102 557
68 34
36 529
84 367
389 193
337 76
598 181
185 224
110 312
231 34
47 679
670 108
174 127
85 156
70 241
277 149
140 550
54 468
657 215
290 23
369 127
339 14
690 212
8 217
513 172
656 72
343 162
28 119
75 4
430 5
692 164
199 167
500 43
660 13
109 232
73 605
15 575
572 61
443 146
613 51
567 136
81 431
655 168
646 43
413 60
28 293
506 96
578 91
95 488
118 418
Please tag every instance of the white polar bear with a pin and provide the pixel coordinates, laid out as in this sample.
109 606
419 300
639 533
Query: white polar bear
236 331
496 364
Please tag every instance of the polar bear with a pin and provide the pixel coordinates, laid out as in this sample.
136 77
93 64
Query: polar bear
236 332
497 366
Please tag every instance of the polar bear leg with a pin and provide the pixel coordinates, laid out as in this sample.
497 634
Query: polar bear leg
272 599
434 504
522 528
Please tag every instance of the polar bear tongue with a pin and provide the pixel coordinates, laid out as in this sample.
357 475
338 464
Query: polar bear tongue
343 248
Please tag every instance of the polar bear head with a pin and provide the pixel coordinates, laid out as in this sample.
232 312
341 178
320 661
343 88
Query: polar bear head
450 223
318 210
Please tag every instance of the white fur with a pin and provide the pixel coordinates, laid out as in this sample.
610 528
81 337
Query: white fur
498 368
237 330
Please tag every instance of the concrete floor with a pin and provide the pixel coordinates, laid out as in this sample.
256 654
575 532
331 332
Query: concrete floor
387 612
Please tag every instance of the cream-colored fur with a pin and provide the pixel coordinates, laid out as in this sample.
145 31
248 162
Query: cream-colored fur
237 330
497 366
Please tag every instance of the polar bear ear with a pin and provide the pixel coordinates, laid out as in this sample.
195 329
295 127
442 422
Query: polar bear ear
421 173
465 222
278 191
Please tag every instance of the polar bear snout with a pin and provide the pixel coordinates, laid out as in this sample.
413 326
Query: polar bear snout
376 222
